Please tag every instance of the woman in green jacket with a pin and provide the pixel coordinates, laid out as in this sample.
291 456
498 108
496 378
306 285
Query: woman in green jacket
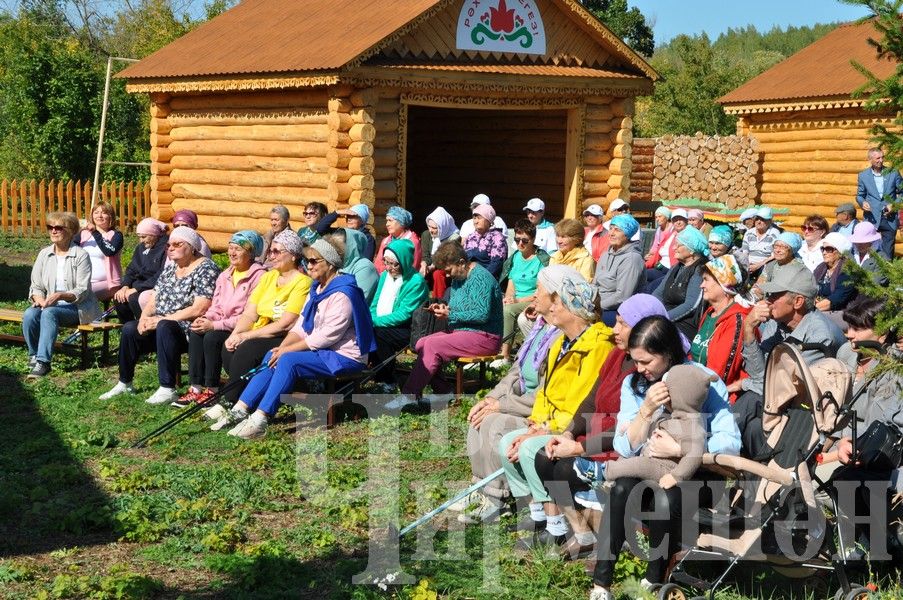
400 291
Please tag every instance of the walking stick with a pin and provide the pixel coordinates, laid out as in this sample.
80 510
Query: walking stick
197 407
72 338
442 507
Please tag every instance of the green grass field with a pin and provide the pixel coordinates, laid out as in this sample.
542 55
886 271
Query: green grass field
199 514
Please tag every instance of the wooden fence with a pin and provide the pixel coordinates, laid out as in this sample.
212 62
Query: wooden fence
25 204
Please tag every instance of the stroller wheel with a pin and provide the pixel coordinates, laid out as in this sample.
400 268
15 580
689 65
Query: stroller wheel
671 591
857 592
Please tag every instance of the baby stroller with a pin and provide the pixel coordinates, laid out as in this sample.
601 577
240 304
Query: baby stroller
770 514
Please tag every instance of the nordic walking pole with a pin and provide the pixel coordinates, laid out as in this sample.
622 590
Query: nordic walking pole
196 407
478 485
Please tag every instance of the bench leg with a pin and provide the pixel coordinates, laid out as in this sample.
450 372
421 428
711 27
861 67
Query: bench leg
459 379
482 374
85 350
105 348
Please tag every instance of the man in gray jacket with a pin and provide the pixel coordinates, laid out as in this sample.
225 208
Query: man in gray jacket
620 272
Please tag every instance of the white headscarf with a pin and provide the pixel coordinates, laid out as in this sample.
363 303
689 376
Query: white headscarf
444 222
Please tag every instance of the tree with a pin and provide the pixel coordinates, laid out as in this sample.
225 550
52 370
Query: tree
628 24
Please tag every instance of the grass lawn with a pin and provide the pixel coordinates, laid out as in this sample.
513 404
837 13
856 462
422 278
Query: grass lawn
199 514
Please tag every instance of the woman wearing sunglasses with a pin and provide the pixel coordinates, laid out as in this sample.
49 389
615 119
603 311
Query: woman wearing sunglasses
60 292
814 228
518 279
835 289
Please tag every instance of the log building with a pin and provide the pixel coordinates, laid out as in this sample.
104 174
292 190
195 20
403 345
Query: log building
812 134
415 102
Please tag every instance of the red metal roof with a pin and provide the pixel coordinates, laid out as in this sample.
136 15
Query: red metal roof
820 70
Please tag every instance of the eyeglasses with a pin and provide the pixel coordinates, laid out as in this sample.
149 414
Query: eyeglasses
312 262
175 245
522 240
276 252
773 297
56 228
391 263
828 249
311 213
811 228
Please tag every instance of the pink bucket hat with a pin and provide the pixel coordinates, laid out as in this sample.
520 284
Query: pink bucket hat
484 210
864 233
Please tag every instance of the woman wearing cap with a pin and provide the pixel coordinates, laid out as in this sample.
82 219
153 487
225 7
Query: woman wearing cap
595 236
815 228
664 257
680 289
572 371
143 270
103 243
835 288
271 311
440 228
663 230
747 219
863 241
401 290
486 246
208 333
696 218
576 455
313 212
474 313
758 241
398 226
518 279
719 343
783 252
620 272
333 337
183 293
188 218
60 292
506 407
279 217
571 251
356 218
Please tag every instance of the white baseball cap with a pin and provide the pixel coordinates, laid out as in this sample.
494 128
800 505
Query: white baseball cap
617 203
479 199
749 213
679 213
535 205
594 209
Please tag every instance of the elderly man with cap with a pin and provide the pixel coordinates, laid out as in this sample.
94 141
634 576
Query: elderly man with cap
545 231
758 241
595 239
846 220
877 189
356 217
497 223
747 219
144 269
620 273
486 246
183 293
787 313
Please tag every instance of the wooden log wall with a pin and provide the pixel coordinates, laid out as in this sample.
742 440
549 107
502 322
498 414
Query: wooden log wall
602 128
711 168
232 157
388 114
641 176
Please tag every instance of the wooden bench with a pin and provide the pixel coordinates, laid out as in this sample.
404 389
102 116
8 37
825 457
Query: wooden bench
462 362
352 381
15 316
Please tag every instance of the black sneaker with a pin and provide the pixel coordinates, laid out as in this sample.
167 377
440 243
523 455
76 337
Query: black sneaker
39 370
32 360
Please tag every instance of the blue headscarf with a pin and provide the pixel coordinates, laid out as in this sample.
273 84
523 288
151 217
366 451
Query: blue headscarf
403 217
722 234
249 240
791 239
692 239
360 312
627 224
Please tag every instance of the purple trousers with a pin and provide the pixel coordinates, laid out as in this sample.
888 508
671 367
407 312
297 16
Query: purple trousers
437 349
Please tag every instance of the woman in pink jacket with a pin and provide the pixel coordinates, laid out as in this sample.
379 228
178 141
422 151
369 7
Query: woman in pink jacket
207 334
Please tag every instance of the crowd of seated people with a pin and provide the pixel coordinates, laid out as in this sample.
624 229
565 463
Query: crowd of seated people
603 324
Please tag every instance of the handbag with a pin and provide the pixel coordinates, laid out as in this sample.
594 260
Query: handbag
881 446
424 323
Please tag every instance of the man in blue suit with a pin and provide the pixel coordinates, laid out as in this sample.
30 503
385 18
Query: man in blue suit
877 188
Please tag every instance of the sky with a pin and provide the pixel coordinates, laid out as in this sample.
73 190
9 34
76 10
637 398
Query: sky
673 17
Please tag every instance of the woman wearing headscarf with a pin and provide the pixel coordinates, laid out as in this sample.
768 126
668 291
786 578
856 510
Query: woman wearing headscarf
486 246
835 287
208 333
663 231
185 217
143 270
721 240
576 455
183 293
507 406
664 258
680 290
719 343
356 264
758 241
696 218
572 372
398 226
333 337
401 291
440 227
784 252
356 218
621 272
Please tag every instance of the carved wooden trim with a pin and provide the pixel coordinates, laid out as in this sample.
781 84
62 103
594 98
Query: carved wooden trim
639 87
493 102
230 84
754 127
401 154
825 104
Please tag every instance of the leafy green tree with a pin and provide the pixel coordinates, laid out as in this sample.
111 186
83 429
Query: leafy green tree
627 23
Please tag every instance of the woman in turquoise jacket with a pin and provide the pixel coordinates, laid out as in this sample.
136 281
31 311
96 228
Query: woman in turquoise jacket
400 291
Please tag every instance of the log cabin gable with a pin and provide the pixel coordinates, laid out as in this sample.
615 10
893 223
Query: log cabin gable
569 41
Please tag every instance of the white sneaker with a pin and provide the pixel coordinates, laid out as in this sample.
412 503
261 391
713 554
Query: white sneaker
249 429
400 402
471 366
119 388
163 396
464 503
489 509
648 586
216 413
500 363
241 425
598 593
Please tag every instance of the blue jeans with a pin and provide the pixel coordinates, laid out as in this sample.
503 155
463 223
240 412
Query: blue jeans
40 326
264 389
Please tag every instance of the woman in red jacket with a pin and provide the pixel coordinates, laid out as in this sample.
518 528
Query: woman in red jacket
719 342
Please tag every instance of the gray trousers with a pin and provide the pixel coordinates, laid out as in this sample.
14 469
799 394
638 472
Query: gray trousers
482 448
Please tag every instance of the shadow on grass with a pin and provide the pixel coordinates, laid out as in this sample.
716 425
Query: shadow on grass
48 500
14 282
